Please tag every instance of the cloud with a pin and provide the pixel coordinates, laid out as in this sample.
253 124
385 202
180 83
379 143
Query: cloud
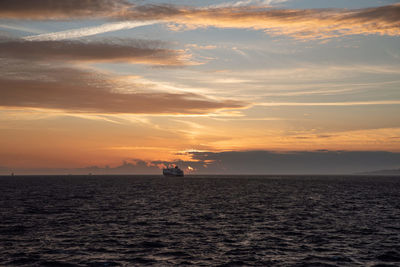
56 9
20 28
265 3
46 86
348 103
301 24
248 14
298 162
88 31
249 162
135 51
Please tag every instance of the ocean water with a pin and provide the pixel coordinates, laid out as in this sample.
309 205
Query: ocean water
200 220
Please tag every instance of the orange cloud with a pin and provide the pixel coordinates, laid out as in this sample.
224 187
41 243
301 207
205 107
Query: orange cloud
75 90
135 51
302 24
298 23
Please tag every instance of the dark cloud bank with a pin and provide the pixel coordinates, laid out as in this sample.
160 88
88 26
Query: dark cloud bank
253 162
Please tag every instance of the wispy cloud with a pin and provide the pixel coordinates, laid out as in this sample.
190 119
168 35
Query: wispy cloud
247 14
301 24
20 28
265 3
89 31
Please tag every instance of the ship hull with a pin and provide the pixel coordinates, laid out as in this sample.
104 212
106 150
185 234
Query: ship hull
173 173
170 174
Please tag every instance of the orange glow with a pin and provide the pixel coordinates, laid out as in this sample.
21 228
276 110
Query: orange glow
77 142
239 76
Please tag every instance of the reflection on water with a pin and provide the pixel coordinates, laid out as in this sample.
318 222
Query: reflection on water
202 220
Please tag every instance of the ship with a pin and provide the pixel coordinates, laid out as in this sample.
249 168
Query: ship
173 171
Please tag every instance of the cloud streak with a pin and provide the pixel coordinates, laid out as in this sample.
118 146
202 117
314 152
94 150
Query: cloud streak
88 31
298 23
301 24
55 9
133 51
350 103
265 3
74 90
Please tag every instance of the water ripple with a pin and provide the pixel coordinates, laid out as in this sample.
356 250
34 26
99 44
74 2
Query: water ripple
201 221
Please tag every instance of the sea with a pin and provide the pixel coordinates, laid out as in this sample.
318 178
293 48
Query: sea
200 221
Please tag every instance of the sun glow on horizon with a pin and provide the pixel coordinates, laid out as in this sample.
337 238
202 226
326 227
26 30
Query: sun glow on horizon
146 84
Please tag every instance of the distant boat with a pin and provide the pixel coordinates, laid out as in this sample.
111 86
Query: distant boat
173 171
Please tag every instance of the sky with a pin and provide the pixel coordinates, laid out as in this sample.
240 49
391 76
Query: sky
250 86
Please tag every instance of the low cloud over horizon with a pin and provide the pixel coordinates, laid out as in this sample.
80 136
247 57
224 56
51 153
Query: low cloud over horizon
248 162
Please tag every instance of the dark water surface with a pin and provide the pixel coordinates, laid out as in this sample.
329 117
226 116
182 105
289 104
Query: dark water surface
201 220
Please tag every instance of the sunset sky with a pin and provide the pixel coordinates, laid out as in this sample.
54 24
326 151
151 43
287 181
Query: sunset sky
111 82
